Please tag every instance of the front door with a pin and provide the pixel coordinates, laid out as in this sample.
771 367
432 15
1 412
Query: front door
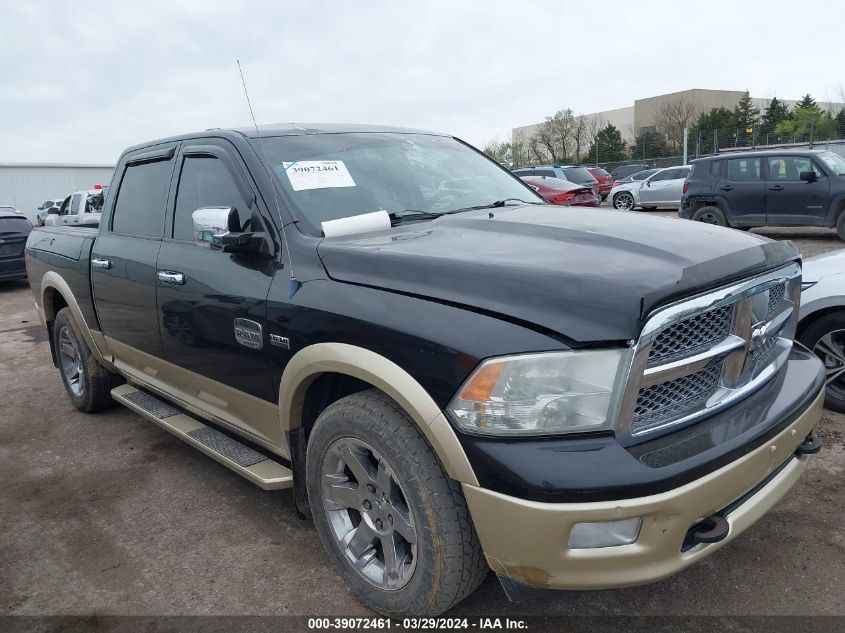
657 189
212 305
123 261
790 200
743 189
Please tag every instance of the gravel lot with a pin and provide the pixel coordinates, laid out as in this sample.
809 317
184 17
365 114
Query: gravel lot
108 514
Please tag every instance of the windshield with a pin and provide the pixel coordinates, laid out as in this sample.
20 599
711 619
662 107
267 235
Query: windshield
333 176
642 175
14 225
834 162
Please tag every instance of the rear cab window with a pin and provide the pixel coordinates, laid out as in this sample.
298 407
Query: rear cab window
141 199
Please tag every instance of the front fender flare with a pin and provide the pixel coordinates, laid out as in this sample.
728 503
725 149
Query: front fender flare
358 362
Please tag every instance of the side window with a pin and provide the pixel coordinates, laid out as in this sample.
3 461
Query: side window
743 169
790 167
204 182
666 174
545 172
141 199
716 168
74 203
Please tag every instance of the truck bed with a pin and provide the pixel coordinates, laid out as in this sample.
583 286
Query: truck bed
65 250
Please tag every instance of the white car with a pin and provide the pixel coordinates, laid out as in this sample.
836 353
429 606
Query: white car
661 189
821 320
81 208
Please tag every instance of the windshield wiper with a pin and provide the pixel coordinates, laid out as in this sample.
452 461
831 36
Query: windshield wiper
397 217
492 205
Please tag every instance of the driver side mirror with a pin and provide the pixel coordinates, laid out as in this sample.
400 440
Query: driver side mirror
220 227
808 176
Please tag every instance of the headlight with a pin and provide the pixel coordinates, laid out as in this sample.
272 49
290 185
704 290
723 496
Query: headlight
539 394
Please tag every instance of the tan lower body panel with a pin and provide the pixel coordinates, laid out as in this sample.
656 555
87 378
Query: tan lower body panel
266 473
527 541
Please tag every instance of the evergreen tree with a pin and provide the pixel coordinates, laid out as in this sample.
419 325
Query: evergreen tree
776 113
839 123
746 117
807 101
608 146
650 145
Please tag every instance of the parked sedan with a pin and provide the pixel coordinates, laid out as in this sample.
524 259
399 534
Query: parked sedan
640 175
563 192
821 325
14 229
604 179
572 173
662 189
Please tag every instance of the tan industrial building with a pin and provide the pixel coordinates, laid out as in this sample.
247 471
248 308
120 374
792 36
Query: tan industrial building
633 120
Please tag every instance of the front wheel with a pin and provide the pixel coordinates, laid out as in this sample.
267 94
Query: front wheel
623 201
710 215
826 337
394 524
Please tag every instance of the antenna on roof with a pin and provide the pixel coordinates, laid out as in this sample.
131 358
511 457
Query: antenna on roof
294 284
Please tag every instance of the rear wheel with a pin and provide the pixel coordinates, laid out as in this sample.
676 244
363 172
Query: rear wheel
826 337
88 384
710 215
395 525
840 225
623 201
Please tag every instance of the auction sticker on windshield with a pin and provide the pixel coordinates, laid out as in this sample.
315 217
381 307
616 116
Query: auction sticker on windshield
317 174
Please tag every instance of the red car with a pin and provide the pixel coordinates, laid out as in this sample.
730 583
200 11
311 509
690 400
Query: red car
604 178
562 192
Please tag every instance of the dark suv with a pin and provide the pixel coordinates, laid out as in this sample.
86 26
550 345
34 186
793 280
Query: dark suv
769 188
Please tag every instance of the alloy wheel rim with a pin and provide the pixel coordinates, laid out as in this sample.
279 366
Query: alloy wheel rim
831 350
71 361
708 218
624 202
368 514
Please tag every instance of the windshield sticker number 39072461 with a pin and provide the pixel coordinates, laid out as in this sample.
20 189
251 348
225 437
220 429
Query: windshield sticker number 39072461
317 174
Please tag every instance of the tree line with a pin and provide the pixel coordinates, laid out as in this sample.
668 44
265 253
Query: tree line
566 138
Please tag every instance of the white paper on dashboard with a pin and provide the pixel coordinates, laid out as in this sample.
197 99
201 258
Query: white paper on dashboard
317 174
375 221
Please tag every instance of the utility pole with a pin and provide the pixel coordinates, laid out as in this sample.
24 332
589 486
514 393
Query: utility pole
686 140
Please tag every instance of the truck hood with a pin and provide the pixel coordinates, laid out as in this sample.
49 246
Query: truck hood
587 275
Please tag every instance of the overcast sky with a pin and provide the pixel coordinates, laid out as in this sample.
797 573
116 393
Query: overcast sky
80 81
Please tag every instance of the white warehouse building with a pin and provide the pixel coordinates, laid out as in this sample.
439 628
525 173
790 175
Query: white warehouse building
26 186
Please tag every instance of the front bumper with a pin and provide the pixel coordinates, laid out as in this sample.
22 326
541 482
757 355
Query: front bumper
527 541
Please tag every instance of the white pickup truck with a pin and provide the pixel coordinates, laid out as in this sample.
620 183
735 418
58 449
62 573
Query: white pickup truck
81 208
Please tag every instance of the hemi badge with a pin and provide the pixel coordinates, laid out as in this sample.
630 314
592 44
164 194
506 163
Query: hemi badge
280 341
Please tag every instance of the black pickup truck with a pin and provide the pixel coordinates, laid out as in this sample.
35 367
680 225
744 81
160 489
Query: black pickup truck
450 375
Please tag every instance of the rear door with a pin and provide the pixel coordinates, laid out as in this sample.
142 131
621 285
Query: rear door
675 188
207 299
743 189
790 200
123 260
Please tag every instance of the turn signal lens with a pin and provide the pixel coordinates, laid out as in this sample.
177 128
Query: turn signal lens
480 386
605 533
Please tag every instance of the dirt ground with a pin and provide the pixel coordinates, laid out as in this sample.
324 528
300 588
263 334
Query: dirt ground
108 514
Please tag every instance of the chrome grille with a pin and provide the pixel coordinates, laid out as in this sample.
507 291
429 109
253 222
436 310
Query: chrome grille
690 335
699 355
674 398
776 294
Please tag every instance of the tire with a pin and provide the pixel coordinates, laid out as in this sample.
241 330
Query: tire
88 384
826 338
445 562
710 215
840 225
623 201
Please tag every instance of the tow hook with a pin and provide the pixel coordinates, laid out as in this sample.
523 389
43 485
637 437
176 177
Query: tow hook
711 530
810 446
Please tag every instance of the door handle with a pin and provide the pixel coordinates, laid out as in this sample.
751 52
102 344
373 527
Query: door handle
105 264
776 188
726 188
171 277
